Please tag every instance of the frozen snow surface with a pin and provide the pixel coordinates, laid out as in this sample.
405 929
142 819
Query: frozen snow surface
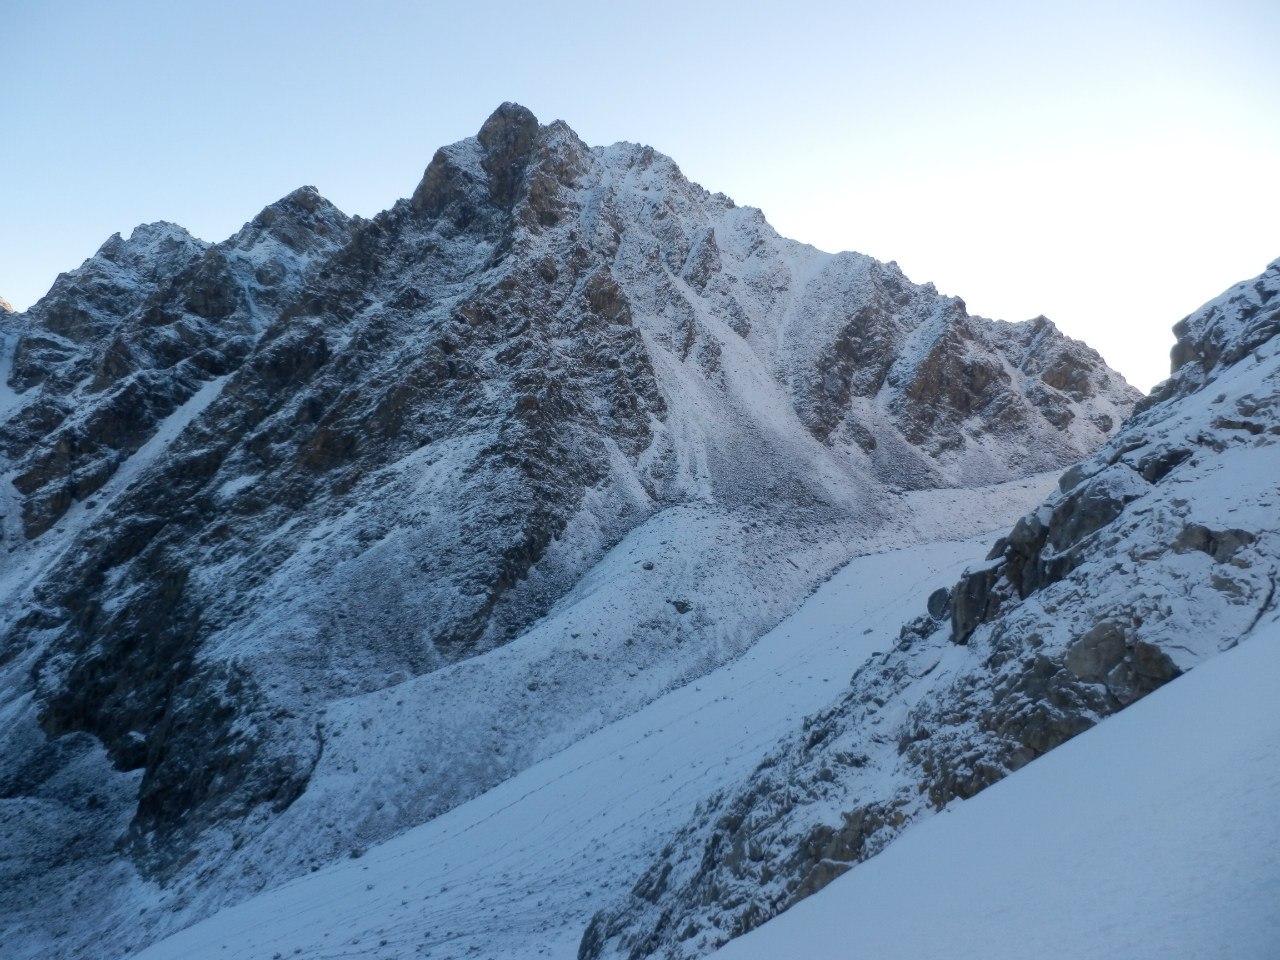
518 871
1153 836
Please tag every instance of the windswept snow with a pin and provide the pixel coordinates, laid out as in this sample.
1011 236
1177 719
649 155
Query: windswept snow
1152 836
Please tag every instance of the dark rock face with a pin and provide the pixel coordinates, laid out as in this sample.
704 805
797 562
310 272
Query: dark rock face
1043 548
949 383
1222 334
258 479
134 333
85 305
1122 580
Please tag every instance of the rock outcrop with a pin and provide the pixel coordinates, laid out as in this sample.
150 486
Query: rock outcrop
274 497
1159 551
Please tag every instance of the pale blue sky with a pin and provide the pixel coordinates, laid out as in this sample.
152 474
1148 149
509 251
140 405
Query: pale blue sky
1111 165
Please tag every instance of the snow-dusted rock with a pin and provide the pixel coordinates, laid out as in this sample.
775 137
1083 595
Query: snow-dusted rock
1152 835
279 505
124 340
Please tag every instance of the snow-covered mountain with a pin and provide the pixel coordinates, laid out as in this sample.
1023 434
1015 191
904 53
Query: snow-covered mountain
1150 835
319 532
1157 553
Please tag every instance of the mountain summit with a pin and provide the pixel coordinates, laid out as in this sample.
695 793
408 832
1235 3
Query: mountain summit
317 532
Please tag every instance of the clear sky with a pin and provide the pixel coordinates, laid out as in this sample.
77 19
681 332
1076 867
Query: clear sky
1111 165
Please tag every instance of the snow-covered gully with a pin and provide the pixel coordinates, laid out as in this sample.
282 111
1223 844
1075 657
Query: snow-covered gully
518 871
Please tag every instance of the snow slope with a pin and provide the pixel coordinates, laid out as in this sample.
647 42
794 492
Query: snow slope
518 871
1152 557
1152 836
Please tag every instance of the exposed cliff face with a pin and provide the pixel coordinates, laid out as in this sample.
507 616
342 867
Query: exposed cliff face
1160 551
273 495
1221 334
123 341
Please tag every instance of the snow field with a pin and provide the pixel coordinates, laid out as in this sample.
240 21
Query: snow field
518 871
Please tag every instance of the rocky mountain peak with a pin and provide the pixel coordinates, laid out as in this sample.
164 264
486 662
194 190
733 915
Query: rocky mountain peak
86 304
6 306
507 139
509 123
266 488
513 162
297 220
302 203
151 247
